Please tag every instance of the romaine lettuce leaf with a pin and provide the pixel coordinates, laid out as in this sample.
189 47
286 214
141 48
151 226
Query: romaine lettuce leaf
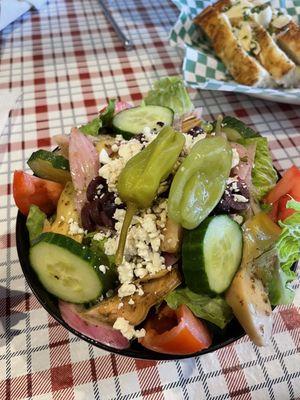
274 266
107 115
264 176
280 292
91 128
274 278
35 222
213 309
170 92
288 245
294 205
102 121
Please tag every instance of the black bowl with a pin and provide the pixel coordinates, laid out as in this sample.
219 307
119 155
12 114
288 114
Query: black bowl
221 338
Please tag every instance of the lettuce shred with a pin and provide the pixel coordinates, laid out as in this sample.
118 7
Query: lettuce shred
274 266
103 120
35 222
212 309
170 92
288 245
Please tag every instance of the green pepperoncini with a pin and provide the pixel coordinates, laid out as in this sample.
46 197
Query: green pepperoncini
200 182
140 178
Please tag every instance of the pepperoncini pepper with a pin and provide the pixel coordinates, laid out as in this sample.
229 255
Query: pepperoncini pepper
200 182
140 179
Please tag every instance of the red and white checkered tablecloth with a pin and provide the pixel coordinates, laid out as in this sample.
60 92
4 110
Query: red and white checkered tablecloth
67 61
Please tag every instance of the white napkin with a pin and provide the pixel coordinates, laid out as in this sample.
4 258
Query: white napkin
10 10
7 103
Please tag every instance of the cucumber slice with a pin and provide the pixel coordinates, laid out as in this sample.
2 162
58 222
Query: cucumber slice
236 129
211 254
132 121
69 270
48 165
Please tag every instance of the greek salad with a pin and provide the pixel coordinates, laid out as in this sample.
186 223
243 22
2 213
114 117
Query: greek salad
149 223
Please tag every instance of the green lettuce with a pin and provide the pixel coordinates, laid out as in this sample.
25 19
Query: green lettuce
170 92
280 291
104 120
91 128
294 205
264 175
107 115
274 278
274 266
288 245
212 309
97 246
35 222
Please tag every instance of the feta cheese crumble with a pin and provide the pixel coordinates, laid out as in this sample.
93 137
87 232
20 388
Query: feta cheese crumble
235 158
102 268
127 330
240 199
104 157
190 141
126 289
74 228
238 218
101 235
142 251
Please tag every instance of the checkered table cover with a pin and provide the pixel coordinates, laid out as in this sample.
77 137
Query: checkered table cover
202 69
67 61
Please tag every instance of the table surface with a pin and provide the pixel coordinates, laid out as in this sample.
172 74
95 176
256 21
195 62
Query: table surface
67 61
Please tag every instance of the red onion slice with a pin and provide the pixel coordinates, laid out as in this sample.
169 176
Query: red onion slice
104 334
84 164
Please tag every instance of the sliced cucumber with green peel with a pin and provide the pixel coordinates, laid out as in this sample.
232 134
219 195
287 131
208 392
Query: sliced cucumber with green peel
48 165
236 129
69 270
211 254
132 121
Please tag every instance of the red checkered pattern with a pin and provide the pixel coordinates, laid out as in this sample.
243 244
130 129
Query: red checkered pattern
67 61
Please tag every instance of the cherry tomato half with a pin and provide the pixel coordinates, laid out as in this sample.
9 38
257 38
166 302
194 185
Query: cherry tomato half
176 332
28 190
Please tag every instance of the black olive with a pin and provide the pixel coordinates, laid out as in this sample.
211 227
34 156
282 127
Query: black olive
195 131
86 220
95 210
230 202
92 188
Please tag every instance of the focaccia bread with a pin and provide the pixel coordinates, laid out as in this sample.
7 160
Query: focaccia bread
288 39
244 68
259 45
273 59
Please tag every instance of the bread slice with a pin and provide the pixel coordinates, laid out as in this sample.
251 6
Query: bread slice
272 58
288 38
243 68
221 5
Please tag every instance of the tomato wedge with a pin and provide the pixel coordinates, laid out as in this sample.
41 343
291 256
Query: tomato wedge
284 212
286 188
273 214
28 190
289 182
176 332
